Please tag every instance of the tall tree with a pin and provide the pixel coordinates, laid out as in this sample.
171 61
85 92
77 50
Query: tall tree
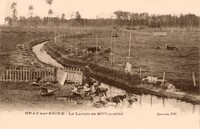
78 18
122 16
50 12
62 18
8 20
14 10
30 8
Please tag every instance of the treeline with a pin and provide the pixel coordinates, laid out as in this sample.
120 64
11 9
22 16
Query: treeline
122 18
138 19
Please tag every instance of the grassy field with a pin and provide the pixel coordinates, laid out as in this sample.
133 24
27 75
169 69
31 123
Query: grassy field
178 65
10 52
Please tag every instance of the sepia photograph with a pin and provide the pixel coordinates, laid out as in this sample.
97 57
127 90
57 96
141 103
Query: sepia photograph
99 64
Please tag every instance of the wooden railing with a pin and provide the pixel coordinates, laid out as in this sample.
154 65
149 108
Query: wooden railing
27 74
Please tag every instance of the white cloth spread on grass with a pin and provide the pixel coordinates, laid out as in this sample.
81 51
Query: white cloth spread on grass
128 67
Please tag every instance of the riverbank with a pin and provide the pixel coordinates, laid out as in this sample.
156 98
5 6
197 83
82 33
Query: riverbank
15 48
130 83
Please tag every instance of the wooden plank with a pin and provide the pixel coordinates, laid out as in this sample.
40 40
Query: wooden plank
40 73
10 74
24 79
14 73
21 80
23 73
17 70
7 75
43 73
30 74
13 77
20 74
26 74
33 74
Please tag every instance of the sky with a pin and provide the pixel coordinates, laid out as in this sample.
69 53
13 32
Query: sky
100 8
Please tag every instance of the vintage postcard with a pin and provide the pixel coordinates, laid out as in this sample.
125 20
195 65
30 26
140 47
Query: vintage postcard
99 64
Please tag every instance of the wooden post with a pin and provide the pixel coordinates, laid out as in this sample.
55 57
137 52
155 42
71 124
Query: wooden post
18 74
193 78
21 73
12 76
10 71
163 77
15 74
24 74
140 72
31 74
7 75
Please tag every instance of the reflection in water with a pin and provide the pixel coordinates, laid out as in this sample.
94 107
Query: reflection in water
149 104
151 101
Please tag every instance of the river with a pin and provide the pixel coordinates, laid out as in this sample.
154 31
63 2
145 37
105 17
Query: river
164 112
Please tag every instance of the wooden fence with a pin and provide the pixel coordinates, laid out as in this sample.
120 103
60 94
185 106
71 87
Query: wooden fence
73 75
28 74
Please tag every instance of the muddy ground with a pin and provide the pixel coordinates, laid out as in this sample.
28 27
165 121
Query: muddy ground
23 96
